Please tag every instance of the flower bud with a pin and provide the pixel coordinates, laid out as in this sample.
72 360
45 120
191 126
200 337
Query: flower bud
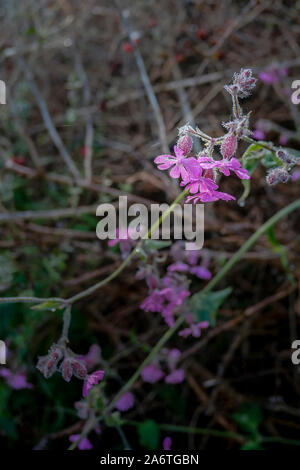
79 369
228 147
278 175
185 143
66 369
285 157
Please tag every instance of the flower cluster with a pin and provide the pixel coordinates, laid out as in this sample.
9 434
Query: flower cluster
168 294
281 174
154 371
198 173
62 359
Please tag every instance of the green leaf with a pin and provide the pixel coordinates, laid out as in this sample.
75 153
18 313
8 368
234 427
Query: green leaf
149 434
249 418
156 244
250 159
205 305
252 445
48 305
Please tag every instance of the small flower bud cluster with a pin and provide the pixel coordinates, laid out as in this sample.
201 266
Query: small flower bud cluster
285 157
278 175
69 364
243 83
281 174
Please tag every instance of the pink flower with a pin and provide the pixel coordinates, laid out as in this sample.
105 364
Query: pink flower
194 329
16 380
167 443
126 402
283 139
210 197
84 444
258 135
269 77
152 373
226 166
181 165
199 184
201 272
175 377
91 380
93 357
295 175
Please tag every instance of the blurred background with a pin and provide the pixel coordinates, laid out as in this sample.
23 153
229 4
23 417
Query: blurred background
94 91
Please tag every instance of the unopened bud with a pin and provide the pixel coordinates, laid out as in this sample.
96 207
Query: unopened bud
66 369
228 147
79 369
285 157
185 144
278 175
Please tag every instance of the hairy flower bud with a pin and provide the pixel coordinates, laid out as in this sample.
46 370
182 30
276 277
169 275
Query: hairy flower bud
228 146
278 175
66 369
285 157
79 369
243 82
47 365
185 143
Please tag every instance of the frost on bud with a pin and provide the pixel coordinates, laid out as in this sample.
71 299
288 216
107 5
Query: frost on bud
278 175
66 369
185 143
47 365
228 146
285 157
79 369
243 83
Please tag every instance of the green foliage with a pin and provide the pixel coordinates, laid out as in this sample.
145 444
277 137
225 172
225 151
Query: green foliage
149 434
249 418
205 305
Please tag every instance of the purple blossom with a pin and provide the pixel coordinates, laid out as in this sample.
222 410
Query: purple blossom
90 380
84 444
165 301
295 175
175 377
210 197
226 166
258 135
283 139
272 76
167 443
194 329
199 271
152 373
126 402
181 165
93 357
199 184
17 381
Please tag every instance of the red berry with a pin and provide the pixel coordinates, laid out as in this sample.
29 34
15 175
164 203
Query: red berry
127 47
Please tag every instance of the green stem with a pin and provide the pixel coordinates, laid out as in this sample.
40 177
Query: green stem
236 257
112 276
